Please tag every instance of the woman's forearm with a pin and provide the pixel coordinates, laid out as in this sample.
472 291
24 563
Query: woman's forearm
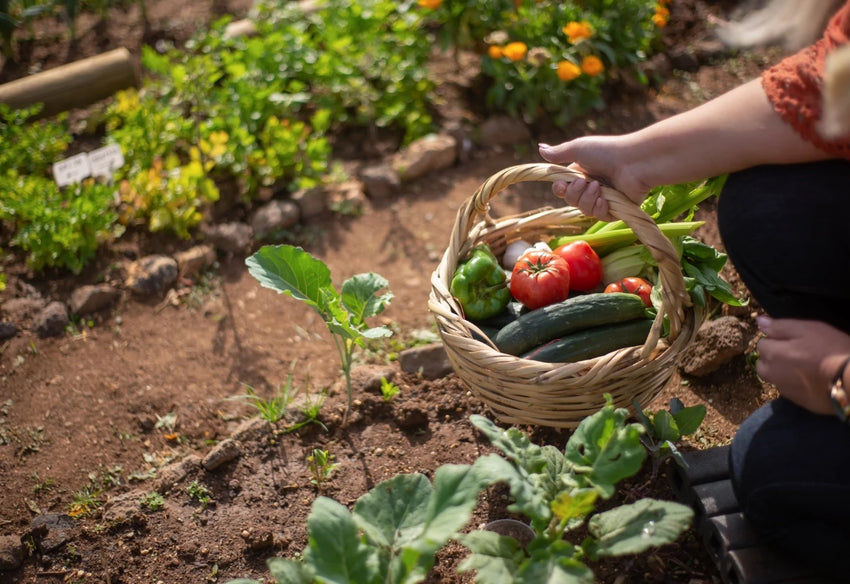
737 130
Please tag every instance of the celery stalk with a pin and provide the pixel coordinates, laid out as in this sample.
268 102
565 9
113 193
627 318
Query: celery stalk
624 236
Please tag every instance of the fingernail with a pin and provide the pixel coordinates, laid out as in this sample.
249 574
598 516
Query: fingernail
543 146
764 321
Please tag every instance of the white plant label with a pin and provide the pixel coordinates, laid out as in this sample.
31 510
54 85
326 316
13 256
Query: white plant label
104 161
72 169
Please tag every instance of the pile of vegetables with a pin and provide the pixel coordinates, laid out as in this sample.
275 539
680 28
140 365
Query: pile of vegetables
581 296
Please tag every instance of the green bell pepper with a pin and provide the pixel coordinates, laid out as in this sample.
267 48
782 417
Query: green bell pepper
480 285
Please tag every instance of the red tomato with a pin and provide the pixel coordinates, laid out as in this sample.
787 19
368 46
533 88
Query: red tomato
585 266
637 286
540 278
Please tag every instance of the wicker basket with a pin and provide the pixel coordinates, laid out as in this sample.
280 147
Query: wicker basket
559 395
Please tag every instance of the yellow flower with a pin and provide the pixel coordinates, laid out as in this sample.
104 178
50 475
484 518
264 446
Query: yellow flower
577 31
430 4
567 71
591 65
515 51
495 52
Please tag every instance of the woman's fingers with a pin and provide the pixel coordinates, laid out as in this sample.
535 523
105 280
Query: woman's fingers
585 195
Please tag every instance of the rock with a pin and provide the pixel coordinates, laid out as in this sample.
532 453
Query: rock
52 530
233 237
430 361
7 330
194 259
348 198
367 378
717 342
259 540
52 320
88 299
126 507
426 155
380 180
275 216
23 309
222 453
311 202
503 130
168 476
12 552
151 274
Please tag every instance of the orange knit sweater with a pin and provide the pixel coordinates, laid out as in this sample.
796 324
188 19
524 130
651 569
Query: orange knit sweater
794 84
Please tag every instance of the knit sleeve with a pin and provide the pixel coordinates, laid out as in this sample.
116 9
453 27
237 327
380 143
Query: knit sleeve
793 85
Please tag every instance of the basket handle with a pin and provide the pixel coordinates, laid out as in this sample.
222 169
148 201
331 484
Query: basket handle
674 295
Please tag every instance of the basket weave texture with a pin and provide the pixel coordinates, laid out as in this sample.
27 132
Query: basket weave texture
558 395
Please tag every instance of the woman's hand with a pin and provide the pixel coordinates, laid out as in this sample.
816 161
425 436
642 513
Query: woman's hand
801 357
600 158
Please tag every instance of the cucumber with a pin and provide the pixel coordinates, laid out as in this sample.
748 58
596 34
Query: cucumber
562 318
592 342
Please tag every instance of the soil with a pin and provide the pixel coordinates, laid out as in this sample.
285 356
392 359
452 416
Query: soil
132 403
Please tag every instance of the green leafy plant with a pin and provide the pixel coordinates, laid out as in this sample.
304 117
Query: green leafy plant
292 271
58 228
389 389
31 147
558 492
84 502
394 530
153 501
272 409
199 493
321 465
664 428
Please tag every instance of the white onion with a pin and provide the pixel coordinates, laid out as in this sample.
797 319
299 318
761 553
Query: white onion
513 252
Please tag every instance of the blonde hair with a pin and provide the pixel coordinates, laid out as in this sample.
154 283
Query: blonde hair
792 24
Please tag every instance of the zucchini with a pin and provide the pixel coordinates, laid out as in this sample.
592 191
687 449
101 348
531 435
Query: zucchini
562 318
593 342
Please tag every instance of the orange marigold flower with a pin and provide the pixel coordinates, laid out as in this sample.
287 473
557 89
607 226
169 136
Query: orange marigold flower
577 31
567 71
515 51
659 20
495 52
430 4
592 66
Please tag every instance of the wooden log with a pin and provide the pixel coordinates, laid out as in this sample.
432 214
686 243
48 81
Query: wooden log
74 85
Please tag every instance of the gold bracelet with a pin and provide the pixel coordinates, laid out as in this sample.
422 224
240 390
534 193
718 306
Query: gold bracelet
838 394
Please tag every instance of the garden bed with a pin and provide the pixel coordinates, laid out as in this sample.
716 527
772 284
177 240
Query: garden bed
134 401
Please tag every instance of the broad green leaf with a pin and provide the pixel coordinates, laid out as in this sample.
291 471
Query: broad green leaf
664 426
496 558
286 571
605 449
579 503
360 296
634 528
393 513
553 563
292 271
456 489
689 419
513 443
336 553
529 500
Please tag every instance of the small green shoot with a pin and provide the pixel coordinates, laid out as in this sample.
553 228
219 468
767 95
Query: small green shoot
662 429
41 485
321 466
292 271
389 389
272 409
199 493
153 501
84 502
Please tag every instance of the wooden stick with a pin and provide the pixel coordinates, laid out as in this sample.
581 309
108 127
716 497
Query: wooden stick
74 85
